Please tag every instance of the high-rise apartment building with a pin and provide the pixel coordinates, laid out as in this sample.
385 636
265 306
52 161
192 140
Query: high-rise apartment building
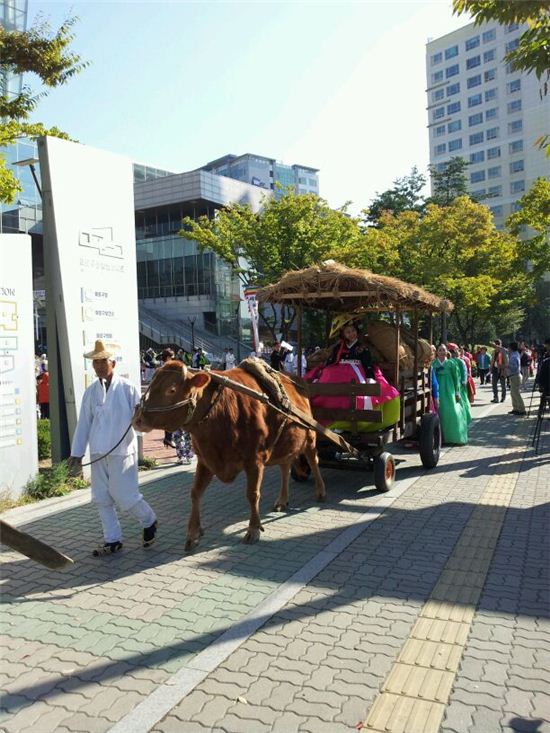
266 173
481 110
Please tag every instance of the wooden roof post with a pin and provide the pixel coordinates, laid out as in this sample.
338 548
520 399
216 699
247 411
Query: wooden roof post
299 361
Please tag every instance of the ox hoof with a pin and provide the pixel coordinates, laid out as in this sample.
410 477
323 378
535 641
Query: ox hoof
321 498
253 535
280 507
191 543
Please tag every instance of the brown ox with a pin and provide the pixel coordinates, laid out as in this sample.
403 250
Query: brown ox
231 432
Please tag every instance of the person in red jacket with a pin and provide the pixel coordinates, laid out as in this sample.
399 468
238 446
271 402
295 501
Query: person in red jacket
43 394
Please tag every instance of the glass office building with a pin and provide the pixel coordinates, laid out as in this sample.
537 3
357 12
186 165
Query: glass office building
176 279
266 173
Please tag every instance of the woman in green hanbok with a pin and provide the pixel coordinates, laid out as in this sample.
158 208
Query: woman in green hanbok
454 424
465 402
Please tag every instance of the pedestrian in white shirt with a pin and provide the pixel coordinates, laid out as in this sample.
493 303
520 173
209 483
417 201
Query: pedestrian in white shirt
107 409
229 359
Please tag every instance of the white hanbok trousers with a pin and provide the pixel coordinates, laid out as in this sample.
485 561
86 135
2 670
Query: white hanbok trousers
115 480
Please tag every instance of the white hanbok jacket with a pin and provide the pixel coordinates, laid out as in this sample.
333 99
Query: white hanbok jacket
104 416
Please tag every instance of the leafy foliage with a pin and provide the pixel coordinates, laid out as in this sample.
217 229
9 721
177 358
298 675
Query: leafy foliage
534 215
404 196
290 233
533 52
44 439
449 183
454 251
54 481
46 54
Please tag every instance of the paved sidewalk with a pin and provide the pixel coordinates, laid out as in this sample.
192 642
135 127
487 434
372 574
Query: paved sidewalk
424 609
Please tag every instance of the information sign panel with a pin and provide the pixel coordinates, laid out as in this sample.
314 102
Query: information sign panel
90 257
18 444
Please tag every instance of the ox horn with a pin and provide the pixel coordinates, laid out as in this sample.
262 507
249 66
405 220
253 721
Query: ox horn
183 371
31 547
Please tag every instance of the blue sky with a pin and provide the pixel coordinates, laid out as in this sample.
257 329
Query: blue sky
335 85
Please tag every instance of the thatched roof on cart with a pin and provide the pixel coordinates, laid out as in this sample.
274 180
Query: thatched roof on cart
335 287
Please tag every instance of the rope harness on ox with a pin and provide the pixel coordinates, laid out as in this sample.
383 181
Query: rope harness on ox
266 377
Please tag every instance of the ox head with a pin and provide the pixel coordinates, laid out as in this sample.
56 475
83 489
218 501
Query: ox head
170 401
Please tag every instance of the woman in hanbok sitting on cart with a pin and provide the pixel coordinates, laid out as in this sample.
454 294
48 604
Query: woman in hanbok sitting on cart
350 361
452 415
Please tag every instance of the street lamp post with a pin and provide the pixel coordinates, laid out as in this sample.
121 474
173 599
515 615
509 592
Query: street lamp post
30 163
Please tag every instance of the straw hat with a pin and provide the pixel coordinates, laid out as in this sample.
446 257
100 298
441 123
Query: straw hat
101 351
342 320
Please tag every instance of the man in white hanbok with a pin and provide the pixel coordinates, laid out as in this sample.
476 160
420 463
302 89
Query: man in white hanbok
107 409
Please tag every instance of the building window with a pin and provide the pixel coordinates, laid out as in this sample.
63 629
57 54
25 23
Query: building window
474 100
514 106
451 71
477 176
515 126
437 77
439 113
476 138
490 75
496 210
490 94
517 187
491 114
453 108
512 45
515 147
493 153
514 86
516 166
439 130
454 126
495 191
476 119
451 52
489 56
512 27
455 145
478 157
440 149
474 81
437 58
438 95
453 89
494 172
472 43
489 35
492 133
473 61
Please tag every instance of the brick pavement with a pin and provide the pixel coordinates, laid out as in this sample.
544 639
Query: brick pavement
83 648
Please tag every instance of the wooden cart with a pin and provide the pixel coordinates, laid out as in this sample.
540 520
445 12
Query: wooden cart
333 288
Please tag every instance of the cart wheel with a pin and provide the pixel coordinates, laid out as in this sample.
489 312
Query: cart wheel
430 440
300 470
384 471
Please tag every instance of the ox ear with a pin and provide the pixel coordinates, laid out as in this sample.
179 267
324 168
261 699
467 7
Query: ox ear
200 380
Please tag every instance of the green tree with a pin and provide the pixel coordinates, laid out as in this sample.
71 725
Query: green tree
289 233
450 182
533 51
532 224
46 54
406 195
456 252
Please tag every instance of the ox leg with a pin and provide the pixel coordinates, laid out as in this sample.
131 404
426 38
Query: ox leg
254 475
282 500
203 476
310 452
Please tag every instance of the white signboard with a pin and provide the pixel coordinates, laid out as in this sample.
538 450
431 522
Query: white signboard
18 446
90 253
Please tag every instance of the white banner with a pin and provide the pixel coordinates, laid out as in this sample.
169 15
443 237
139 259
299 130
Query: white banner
90 251
250 297
18 446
